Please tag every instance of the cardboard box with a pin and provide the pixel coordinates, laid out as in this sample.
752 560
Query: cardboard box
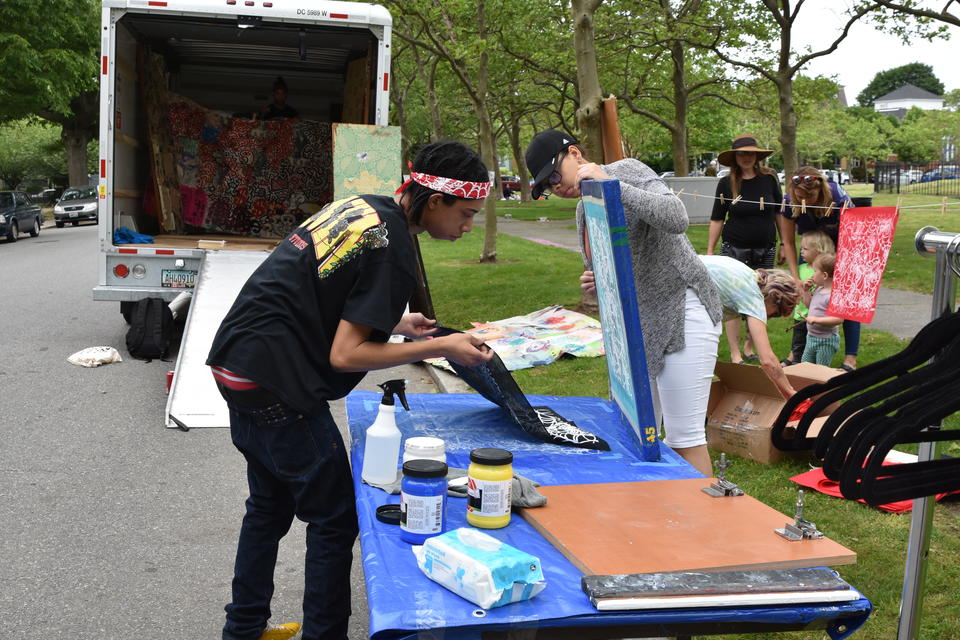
744 404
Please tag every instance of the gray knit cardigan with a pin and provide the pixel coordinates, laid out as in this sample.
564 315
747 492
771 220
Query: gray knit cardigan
664 262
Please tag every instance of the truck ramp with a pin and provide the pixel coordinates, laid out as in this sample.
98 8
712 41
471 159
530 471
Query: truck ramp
194 400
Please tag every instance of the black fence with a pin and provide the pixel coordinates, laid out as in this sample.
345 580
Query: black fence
941 179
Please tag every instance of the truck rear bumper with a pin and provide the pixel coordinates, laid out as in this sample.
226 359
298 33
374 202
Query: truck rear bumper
131 294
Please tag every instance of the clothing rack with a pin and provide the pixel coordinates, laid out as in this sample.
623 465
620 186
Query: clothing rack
946 248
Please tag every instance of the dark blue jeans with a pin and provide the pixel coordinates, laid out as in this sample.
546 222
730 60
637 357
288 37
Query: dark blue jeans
296 466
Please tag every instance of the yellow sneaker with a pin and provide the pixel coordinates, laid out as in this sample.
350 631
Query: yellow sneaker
285 631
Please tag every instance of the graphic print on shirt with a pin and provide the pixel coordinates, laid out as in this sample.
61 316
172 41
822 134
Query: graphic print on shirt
341 229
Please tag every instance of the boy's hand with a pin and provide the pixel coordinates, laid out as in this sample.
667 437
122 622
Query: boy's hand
415 325
465 349
591 171
588 282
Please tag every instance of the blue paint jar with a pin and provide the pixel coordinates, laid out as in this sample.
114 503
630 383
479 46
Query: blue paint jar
423 500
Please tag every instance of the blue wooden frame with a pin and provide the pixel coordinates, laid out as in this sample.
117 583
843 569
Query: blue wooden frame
619 313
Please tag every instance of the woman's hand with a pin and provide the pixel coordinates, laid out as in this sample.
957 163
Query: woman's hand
588 283
415 325
591 171
464 348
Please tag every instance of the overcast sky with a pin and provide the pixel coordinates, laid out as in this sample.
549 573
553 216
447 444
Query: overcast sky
867 51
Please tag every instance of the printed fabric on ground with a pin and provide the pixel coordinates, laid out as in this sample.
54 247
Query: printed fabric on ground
353 260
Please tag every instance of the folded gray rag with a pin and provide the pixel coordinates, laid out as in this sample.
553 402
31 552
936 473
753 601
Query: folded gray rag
524 492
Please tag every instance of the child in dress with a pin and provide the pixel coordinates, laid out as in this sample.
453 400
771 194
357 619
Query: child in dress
823 333
812 244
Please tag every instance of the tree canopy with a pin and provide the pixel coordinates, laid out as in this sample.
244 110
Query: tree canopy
916 73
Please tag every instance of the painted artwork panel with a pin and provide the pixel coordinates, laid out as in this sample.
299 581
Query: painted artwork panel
866 234
366 159
619 313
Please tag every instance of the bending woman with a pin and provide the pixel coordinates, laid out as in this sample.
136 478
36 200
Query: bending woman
679 303
758 295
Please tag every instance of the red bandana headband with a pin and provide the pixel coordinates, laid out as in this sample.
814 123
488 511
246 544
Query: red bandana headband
460 188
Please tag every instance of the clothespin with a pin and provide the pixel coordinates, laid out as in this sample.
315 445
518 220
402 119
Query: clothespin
783 205
847 202
721 198
899 200
737 199
761 202
803 206
680 193
695 195
943 207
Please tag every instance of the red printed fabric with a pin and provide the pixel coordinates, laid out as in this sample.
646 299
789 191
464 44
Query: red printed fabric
249 177
866 234
459 188
814 479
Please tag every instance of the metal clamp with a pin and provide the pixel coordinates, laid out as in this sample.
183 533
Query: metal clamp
722 488
800 528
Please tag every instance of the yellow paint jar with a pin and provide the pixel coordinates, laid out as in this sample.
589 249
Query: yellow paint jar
489 486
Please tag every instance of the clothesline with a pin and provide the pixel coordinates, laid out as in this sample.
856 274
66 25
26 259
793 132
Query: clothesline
783 203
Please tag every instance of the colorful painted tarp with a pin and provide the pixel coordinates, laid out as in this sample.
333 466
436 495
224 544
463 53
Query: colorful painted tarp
538 338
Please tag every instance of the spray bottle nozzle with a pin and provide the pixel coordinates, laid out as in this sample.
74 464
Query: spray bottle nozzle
394 387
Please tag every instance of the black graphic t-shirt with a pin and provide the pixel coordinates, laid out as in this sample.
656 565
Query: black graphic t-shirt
352 260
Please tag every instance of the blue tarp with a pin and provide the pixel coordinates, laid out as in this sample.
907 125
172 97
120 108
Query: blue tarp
402 600
126 235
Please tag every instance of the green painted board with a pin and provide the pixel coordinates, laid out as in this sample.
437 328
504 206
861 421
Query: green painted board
366 159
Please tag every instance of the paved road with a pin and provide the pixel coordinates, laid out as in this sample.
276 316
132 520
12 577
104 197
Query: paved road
111 525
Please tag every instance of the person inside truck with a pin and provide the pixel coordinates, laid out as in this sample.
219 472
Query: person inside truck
303 331
279 107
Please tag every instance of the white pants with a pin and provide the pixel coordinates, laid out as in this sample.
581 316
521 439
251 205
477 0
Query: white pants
681 391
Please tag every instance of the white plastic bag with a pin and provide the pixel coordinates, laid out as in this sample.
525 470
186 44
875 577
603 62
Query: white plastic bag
95 356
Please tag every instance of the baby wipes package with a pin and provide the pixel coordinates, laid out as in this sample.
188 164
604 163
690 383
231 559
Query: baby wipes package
480 568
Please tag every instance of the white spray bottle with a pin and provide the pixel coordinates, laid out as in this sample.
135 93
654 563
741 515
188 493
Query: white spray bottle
381 450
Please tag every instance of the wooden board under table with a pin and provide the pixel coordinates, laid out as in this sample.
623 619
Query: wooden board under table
671 525
229 243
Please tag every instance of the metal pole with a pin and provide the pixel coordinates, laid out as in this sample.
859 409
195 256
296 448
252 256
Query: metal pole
928 240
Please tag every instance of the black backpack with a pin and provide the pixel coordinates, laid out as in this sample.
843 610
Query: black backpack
151 329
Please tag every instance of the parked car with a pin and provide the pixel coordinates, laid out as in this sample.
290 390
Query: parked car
75 205
49 197
17 215
510 182
943 173
668 174
840 177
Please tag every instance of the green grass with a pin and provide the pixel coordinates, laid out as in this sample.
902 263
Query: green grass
552 208
530 276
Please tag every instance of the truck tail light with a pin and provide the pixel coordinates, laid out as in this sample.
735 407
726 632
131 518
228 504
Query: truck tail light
139 271
121 271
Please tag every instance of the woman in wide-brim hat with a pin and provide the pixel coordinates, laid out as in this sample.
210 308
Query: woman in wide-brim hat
748 230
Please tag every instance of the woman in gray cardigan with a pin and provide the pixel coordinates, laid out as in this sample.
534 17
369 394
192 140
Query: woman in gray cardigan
679 305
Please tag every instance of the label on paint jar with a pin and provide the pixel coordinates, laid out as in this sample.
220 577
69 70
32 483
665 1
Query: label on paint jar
489 498
421 514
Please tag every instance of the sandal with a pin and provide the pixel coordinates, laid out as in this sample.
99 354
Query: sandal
751 358
848 368
786 362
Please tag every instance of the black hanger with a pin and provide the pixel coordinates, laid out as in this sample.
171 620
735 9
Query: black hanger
927 343
835 428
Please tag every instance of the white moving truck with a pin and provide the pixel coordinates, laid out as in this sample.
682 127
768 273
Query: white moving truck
221 58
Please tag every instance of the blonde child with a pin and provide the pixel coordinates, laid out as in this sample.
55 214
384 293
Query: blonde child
823 332
812 244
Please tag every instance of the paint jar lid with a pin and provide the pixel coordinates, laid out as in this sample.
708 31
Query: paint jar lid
389 513
424 447
424 469
491 456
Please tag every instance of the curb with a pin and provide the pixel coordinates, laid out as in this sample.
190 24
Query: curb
446 382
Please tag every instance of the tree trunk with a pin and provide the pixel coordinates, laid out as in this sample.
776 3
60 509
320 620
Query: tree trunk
788 125
588 79
75 141
518 160
436 122
678 134
488 144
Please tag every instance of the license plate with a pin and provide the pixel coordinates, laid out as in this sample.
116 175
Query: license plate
178 278
74 214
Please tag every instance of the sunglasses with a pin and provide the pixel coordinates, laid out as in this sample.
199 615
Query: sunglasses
784 310
554 178
808 179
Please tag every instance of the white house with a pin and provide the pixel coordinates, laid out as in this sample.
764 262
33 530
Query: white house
899 101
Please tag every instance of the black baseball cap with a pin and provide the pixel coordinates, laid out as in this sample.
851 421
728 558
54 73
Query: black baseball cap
541 156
